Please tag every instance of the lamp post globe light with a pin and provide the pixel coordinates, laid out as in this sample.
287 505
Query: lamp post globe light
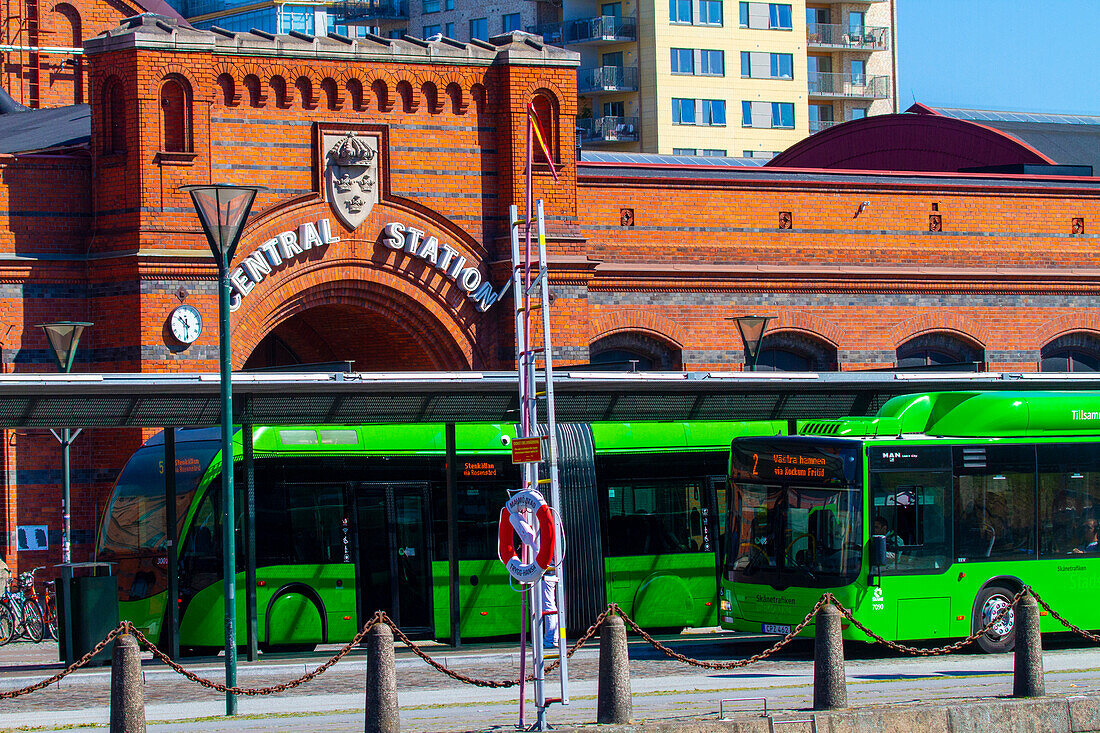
64 337
752 334
223 210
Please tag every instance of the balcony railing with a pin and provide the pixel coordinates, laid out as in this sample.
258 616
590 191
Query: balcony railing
819 125
601 29
595 130
352 11
860 86
863 38
607 79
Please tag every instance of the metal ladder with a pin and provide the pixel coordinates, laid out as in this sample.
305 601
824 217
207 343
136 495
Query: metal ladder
533 294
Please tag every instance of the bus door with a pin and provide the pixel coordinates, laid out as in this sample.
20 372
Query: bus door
910 504
395 553
714 519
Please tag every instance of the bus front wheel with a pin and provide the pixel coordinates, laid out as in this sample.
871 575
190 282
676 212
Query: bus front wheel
1002 636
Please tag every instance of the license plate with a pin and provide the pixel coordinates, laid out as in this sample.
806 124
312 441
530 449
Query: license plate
776 629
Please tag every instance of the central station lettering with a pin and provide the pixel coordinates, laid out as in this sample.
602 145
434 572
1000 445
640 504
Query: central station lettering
446 259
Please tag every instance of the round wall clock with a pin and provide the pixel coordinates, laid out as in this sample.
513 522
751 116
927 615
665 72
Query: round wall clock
186 324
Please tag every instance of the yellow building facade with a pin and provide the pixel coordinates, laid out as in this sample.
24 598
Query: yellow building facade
722 77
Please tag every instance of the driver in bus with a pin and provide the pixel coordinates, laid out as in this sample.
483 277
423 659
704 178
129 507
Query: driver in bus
893 543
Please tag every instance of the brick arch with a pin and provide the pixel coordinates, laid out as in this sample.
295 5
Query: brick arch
566 106
654 324
807 324
382 294
938 321
199 92
1063 325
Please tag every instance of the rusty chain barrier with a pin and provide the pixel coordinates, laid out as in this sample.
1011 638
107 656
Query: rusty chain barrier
126 627
121 628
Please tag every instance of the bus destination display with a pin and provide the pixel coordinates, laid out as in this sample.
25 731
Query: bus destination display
770 463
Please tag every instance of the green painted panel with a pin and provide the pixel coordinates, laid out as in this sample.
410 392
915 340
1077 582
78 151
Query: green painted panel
665 590
293 618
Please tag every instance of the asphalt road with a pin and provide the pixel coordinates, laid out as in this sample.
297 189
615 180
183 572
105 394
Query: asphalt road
663 689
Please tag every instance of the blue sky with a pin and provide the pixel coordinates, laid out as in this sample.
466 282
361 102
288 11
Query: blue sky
1024 55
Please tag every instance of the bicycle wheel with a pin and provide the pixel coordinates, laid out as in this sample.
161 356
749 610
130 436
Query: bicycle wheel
32 621
51 622
7 625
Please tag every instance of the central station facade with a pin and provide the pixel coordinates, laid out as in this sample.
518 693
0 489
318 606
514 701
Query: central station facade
382 236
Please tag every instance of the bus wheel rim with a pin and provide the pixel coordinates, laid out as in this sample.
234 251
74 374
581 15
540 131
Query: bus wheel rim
994 606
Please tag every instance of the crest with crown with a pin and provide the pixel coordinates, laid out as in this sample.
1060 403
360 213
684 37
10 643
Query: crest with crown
351 177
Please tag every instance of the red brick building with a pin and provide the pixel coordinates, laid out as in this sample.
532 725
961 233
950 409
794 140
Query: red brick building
390 166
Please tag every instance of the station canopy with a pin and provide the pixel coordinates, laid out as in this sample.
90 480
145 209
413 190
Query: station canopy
192 400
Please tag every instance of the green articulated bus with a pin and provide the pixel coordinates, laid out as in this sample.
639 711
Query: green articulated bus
924 520
350 519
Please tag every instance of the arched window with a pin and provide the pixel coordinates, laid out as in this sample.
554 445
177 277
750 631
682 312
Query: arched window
228 88
940 350
278 88
381 95
632 351
68 33
255 92
114 117
546 109
332 94
405 91
454 93
354 89
305 92
786 351
1071 352
175 115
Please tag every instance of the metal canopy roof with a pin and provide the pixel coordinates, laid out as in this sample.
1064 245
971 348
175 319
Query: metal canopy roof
192 400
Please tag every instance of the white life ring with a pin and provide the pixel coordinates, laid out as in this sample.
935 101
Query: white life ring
510 518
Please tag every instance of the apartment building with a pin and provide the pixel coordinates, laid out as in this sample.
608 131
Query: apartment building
686 77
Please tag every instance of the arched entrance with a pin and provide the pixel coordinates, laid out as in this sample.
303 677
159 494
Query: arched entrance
339 333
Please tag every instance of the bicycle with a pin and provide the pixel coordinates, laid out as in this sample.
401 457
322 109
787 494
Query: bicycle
46 606
26 619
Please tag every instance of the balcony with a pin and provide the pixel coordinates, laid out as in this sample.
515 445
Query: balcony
599 130
607 79
860 38
847 86
819 125
352 12
601 29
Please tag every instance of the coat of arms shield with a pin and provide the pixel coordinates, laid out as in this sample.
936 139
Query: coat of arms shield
351 176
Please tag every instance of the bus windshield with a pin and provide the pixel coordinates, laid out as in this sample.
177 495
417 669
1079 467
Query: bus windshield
795 514
136 512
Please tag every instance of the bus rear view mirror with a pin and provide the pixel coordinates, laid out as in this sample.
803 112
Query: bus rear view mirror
878 550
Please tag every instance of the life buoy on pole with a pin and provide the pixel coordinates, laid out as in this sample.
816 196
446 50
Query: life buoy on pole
510 519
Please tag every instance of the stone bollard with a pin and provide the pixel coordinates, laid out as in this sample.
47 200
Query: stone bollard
830 690
613 698
383 715
1027 673
127 687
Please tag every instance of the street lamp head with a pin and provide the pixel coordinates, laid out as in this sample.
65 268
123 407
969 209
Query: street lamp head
64 336
223 209
752 333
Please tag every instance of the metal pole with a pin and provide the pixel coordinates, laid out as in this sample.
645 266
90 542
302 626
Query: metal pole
66 500
250 531
66 549
171 621
229 534
452 548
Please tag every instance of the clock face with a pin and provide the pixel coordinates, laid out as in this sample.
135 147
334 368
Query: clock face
186 324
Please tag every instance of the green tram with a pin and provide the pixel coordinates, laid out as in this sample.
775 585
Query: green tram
925 520
350 519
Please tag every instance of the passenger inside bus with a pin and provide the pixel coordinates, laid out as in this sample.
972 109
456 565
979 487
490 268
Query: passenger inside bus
1089 541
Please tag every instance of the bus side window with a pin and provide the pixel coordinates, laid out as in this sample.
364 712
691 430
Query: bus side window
1069 497
910 504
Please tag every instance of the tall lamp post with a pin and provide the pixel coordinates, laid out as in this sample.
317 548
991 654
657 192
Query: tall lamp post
752 333
64 337
223 210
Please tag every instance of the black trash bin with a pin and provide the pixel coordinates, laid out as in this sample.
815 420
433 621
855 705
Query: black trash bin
94 603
